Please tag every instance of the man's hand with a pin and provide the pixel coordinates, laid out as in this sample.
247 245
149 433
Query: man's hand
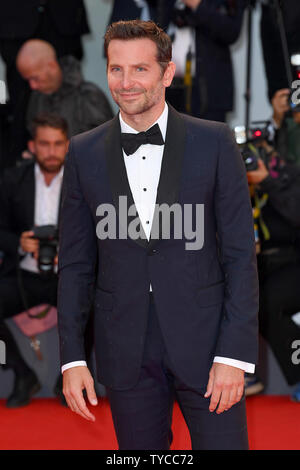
257 176
193 4
29 244
225 386
280 105
75 380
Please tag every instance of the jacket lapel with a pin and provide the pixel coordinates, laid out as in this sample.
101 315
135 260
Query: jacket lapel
118 176
169 181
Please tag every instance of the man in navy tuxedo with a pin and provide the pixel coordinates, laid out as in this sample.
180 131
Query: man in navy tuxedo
171 320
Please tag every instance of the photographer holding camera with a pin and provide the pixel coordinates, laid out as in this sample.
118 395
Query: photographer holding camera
286 123
277 195
29 206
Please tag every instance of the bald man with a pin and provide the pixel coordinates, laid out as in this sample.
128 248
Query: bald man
37 63
58 87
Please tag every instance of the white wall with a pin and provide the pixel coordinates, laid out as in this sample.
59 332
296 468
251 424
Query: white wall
94 63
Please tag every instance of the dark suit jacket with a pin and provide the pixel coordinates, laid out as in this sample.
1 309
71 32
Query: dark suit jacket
17 202
206 300
19 18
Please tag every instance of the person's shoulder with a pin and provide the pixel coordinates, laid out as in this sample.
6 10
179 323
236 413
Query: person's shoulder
213 129
15 174
87 87
85 139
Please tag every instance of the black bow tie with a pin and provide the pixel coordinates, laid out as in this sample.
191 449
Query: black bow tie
131 142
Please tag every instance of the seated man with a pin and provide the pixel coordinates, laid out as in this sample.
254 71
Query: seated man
29 197
58 87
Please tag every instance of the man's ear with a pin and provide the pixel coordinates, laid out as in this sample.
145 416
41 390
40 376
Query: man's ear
31 146
169 74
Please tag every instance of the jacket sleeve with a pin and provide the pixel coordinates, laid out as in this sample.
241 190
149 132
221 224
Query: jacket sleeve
284 193
76 264
220 27
238 334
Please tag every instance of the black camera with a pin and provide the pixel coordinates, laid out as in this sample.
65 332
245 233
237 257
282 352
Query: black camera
249 144
48 238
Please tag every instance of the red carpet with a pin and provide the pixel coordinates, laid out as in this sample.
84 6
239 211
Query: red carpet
273 422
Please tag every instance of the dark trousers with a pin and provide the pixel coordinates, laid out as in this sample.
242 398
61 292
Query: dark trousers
279 300
38 290
142 415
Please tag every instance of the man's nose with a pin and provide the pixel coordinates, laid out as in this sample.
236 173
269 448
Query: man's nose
53 151
127 81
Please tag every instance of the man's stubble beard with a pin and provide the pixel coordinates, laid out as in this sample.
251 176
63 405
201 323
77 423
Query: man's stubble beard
52 168
139 108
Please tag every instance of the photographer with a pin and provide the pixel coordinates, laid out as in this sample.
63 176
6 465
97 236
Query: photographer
277 190
29 198
286 125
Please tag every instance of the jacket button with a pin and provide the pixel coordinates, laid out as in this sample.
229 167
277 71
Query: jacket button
152 252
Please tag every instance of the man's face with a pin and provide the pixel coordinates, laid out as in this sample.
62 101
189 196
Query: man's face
39 76
134 76
49 147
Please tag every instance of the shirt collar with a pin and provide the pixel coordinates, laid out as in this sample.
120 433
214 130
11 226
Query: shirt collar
161 121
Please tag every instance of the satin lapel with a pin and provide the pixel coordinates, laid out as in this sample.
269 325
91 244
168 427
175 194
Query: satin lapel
118 176
168 186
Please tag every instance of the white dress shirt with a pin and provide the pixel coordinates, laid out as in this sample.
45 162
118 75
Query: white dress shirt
143 172
46 206
184 40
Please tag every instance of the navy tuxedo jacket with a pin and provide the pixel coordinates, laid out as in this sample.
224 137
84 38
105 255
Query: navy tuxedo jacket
206 300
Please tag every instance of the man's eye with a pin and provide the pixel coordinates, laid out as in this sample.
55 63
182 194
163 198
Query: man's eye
141 69
115 69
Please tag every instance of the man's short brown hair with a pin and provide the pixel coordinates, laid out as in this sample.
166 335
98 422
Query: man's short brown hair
138 29
49 120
